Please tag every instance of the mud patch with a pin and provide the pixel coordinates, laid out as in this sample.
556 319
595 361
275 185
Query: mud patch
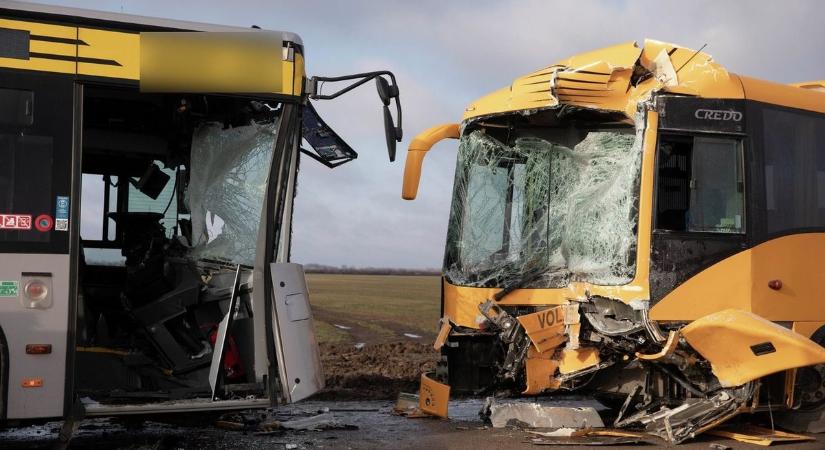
374 372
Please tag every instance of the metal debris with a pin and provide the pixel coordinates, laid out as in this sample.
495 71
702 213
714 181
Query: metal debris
407 406
757 435
535 415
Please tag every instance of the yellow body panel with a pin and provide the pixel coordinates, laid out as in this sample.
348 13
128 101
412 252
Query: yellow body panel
296 74
53 48
104 45
578 359
727 339
785 95
106 53
545 328
46 30
540 372
434 397
741 281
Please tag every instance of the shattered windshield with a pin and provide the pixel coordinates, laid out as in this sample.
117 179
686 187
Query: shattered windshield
229 172
564 205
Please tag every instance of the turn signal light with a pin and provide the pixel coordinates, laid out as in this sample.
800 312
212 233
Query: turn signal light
32 382
38 349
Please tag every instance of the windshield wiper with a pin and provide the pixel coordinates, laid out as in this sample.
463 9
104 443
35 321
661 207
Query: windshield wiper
520 282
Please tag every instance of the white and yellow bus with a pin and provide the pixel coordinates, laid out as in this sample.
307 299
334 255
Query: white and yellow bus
147 176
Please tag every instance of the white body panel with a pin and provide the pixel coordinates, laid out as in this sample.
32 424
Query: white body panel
23 326
299 360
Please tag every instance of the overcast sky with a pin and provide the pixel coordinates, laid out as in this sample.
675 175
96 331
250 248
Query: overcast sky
445 54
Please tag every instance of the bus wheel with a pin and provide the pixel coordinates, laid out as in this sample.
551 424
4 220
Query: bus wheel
809 394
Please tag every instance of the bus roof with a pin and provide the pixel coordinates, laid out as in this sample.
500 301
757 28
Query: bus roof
127 21
617 78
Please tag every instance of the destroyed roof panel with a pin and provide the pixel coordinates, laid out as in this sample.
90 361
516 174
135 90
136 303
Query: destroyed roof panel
610 71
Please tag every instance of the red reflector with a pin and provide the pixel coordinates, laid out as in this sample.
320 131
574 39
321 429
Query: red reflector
38 349
36 290
32 382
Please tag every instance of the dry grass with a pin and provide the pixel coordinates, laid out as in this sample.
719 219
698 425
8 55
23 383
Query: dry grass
378 308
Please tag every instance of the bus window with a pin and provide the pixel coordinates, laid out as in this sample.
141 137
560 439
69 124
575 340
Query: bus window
700 187
92 209
794 170
25 184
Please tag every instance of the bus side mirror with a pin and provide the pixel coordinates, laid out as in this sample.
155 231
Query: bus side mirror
387 90
393 134
418 149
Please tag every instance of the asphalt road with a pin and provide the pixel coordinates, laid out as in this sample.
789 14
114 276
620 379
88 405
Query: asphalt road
376 428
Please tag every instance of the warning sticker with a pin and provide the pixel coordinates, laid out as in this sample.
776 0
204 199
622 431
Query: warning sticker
15 222
61 214
43 222
8 288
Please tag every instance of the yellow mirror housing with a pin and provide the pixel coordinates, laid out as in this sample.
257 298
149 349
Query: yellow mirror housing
418 149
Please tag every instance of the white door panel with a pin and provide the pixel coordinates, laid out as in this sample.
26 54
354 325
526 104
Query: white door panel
299 361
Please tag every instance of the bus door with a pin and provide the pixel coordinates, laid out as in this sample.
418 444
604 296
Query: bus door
36 223
699 216
293 349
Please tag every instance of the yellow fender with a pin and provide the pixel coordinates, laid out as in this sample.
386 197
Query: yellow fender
742 346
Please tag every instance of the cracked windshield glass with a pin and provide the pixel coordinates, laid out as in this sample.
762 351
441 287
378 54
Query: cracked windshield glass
564 206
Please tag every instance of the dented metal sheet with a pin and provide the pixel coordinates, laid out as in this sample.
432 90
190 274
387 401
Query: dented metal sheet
534 415
434 397
756 435
615 78
754 347
545 328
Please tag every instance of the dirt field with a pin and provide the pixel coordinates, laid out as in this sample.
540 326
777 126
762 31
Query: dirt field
375 332
373 309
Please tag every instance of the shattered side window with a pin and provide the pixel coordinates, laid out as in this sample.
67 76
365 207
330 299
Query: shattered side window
229 171
540 206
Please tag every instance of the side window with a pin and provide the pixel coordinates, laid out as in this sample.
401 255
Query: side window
794 144
36 112
700 187
25 185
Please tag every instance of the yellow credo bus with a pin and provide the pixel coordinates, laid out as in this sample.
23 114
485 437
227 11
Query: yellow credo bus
642 222
147 175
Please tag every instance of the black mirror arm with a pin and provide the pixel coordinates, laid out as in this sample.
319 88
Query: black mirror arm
362 78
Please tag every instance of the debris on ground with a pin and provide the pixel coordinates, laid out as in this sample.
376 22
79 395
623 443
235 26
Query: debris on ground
534 415
589 436
753 434
407 405
715 446
275 423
